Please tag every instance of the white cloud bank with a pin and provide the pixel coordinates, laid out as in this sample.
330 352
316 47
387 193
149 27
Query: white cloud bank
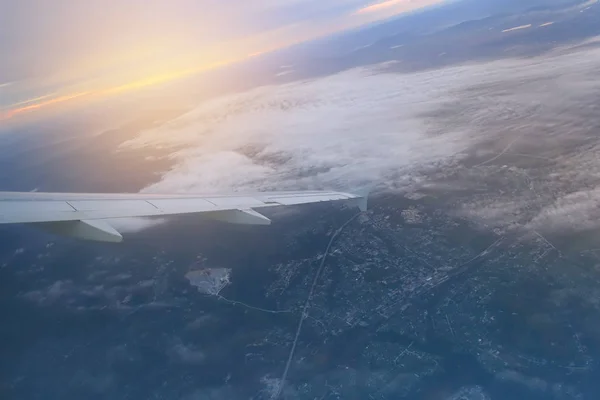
355 127
403 131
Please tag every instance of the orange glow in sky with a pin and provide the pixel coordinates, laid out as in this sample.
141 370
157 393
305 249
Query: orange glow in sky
20 108
57 100
380 6
141 46
395 6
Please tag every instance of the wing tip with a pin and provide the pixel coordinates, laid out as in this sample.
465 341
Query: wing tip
362 198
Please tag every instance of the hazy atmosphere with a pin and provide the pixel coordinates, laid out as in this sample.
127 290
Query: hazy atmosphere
473 275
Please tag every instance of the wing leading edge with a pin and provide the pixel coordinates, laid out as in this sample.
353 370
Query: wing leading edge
83 215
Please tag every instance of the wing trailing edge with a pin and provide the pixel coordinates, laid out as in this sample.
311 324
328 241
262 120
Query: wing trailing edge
87 216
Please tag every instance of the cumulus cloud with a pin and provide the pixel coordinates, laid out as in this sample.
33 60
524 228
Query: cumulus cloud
506 135
340 131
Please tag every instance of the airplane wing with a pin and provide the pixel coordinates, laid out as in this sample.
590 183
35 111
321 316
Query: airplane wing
84 215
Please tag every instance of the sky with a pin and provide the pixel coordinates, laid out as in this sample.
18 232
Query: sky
63 51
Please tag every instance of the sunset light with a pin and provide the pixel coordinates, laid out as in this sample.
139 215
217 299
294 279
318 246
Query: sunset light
110 51
46 103
395 6
300 199
50 100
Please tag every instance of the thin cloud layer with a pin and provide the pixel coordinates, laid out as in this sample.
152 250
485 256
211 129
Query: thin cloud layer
344 130
508 143
96 46
395 6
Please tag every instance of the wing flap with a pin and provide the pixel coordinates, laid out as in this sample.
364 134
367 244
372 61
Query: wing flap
133 206
226 202
178 205
38 211
23 207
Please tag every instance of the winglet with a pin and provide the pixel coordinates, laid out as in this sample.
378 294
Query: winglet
362 197
362 203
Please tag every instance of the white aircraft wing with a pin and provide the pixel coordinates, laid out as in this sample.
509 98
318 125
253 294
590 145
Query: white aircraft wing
84 215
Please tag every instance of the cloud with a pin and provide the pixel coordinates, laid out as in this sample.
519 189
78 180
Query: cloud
344 130
186 354
396 6
500 141
381 6
41 102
